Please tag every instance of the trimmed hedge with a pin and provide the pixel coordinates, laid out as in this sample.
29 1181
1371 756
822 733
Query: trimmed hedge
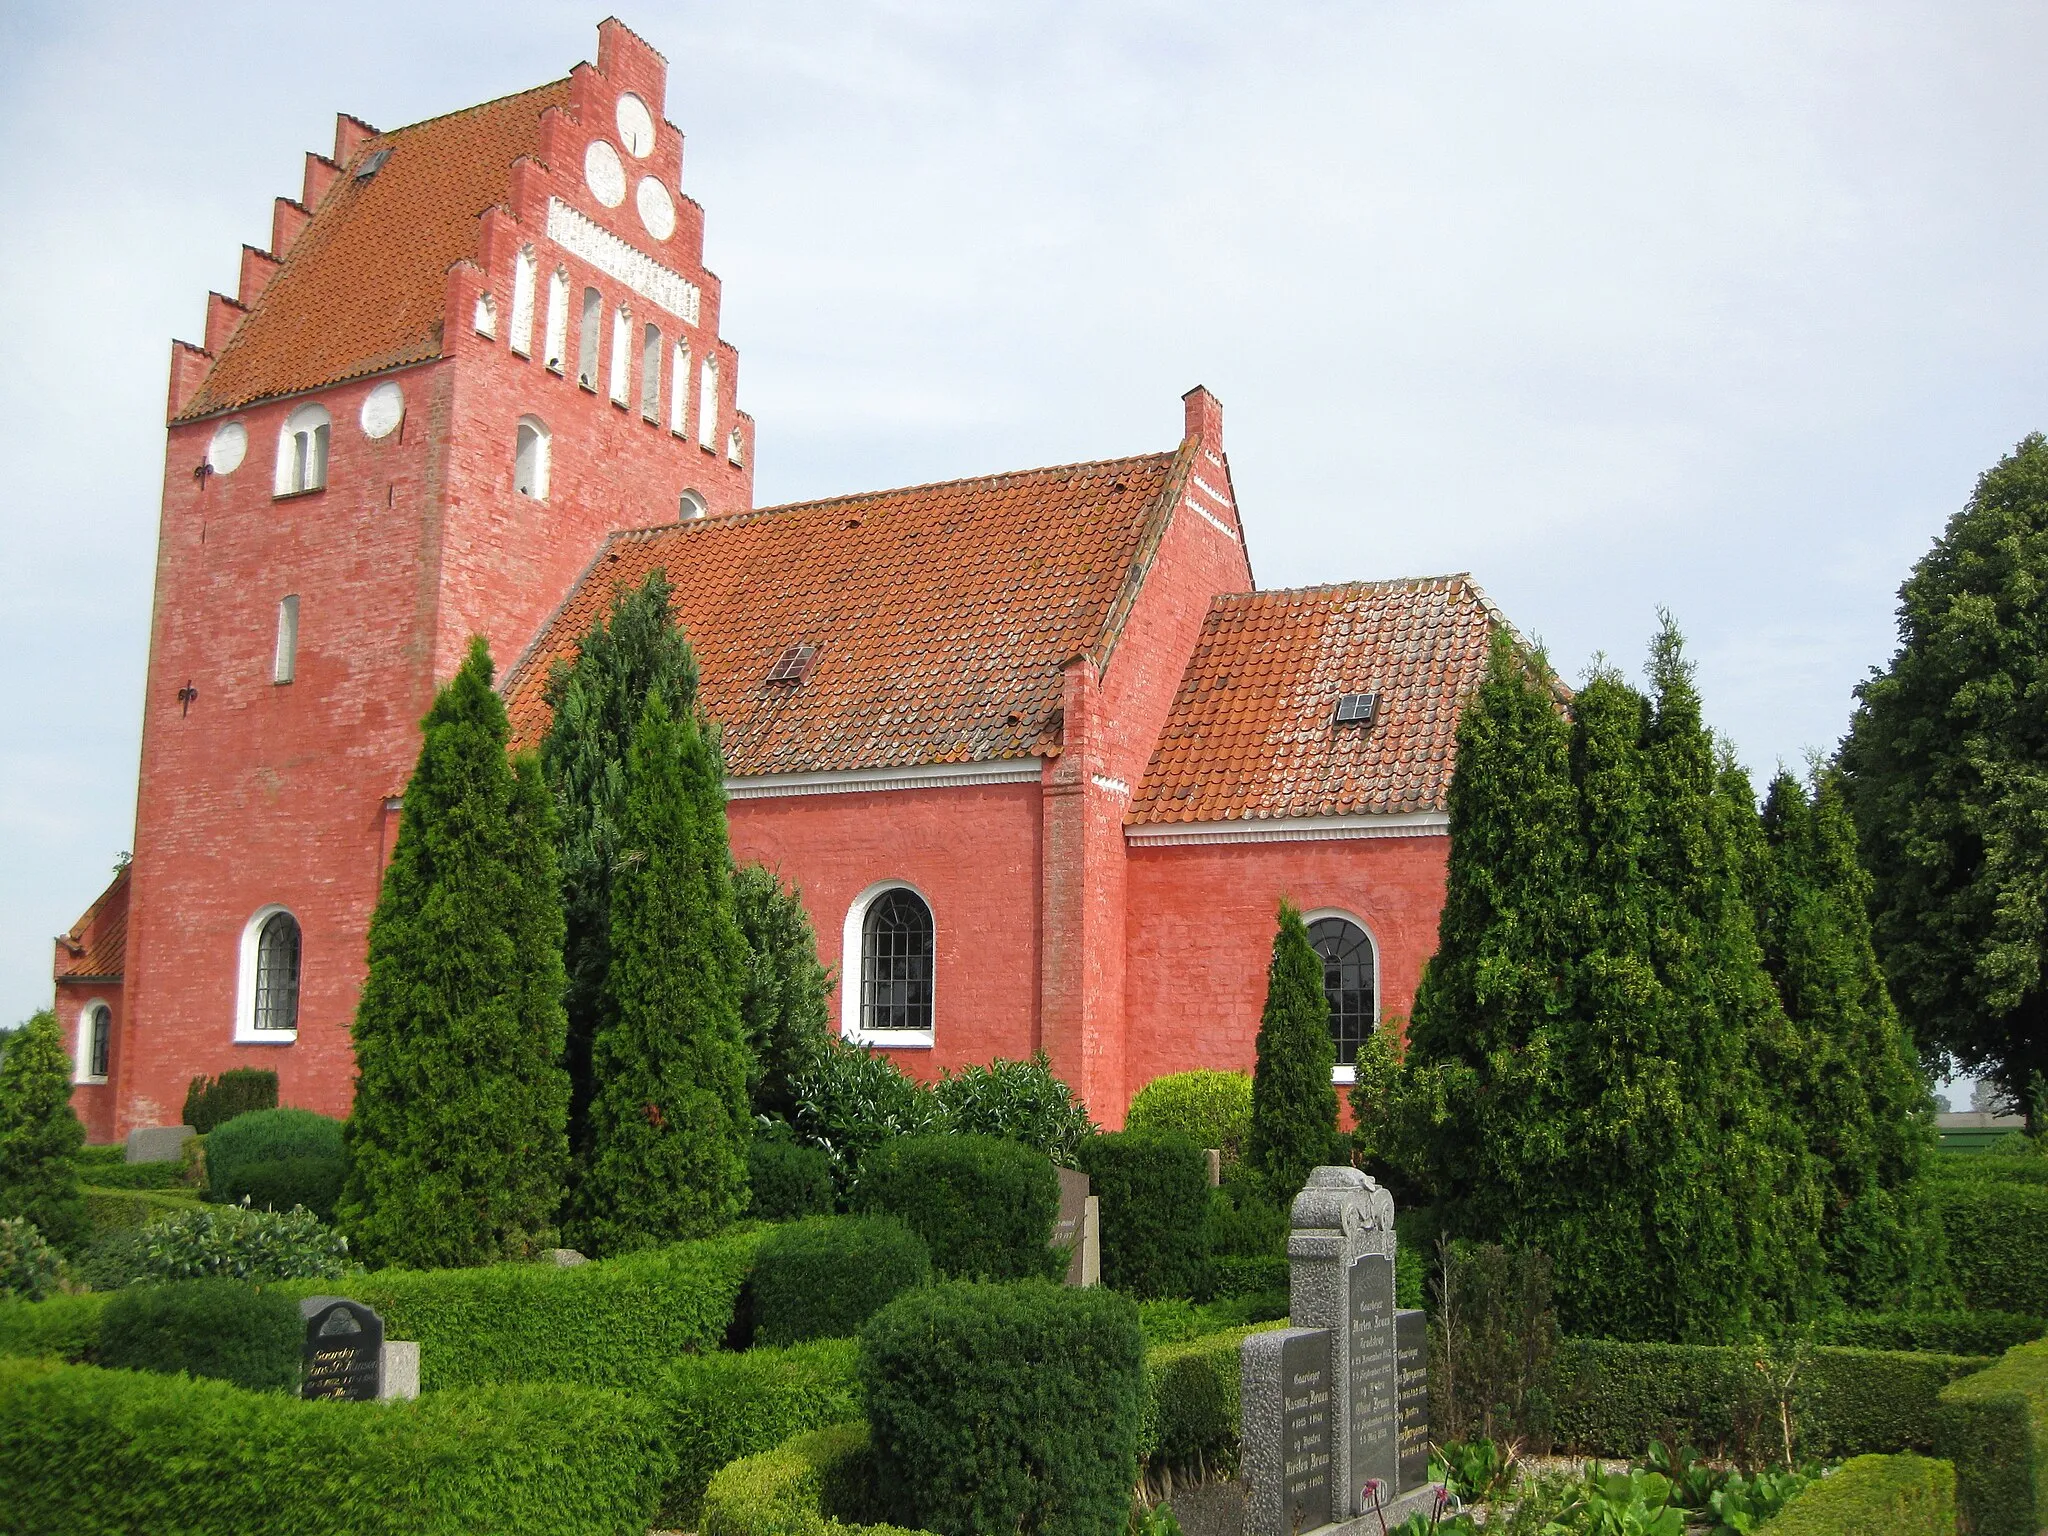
1154 1190
267 1136
788 1181
721 1407
1875 1496
123 1210
822 1278
797 1489
313 1182
95 1452
61 1327
1971 1167
1997 1235
211 1102
1211 1109
1941 1333
984 1206
1994 1427
1192 1403
1005 1407
221 1329
1613 1398
102 1174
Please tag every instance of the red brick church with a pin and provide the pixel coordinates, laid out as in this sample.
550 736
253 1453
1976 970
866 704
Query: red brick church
1039 754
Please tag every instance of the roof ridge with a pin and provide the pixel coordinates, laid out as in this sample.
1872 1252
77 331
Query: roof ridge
477 106
1380 584
1158 518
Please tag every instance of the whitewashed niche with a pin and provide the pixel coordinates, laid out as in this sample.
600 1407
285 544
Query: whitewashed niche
229 447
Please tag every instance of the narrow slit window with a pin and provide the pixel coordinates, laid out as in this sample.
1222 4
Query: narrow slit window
650 374
98 1031
679 392
285 663
521 337
622 356
530 458
707 405
558 320
587 338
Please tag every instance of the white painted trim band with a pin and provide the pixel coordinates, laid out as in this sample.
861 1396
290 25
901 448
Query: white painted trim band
765 786
1212 519
657 284
1292 829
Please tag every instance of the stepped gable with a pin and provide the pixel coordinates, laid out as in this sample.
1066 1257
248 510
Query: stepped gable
1252 735
96 947
941 614
362 287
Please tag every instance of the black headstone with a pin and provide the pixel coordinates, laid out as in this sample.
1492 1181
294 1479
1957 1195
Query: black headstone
1305 1424
1372 1372
344 1351
1411 1354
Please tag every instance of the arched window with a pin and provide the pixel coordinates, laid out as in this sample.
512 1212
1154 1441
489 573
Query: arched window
587 338
679 391
622 355
692 506
267 1007
302 451
650 373
890 928
530 458
284 661
486 319
558 320
1350 982
736 447
707 405
521 339
95 1041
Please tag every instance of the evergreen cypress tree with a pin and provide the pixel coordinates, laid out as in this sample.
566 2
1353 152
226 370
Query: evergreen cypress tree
665 1156
635 651
783 1006
1294 1107
40 1136
457 1134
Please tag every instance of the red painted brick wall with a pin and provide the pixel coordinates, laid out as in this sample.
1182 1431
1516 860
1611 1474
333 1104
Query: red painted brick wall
92 1102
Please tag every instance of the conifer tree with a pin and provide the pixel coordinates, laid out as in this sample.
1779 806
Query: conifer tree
40 1135
634 651
1294 1107
783 1014
665 1156
457 1136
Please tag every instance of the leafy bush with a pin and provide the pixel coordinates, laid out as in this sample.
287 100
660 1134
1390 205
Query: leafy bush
1005 1407
822 1278
267 1136
211 1102
850 1100
238 1244
722 1406
1018 1101
1493 1337
1191 1415
798 1489
1941 1333
1997 1234
64 1327
312 1182
1245 1235
217 1328
83 1449
985 1207
783 1009
1154 1189
1994 1426
788 1181
1876 1496
30 1268
1211 1109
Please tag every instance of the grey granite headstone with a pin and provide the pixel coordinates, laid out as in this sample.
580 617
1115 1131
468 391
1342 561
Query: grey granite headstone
343 1359
1077 1229
1411 1365
1370 1343
401 1370
1340 1217
157 1143
1288 1444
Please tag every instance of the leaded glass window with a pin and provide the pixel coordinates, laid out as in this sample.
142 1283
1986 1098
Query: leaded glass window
99 1029
1347 982
277 973
896 963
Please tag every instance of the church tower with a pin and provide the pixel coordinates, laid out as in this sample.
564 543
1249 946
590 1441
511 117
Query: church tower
475 348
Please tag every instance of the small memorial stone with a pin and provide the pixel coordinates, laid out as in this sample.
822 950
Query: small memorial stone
344 1351
1076 1229
1411 1364
1290 1415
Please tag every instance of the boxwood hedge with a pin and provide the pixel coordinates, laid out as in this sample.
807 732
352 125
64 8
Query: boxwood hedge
1154 1190
822 1278
1997 1233
984 1206
1875 1496
800 1488
222 1329
1941 1333
1994 1427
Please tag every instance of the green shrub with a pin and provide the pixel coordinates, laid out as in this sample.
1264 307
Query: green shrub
1245 1235
1005 1407
1940 1333
1875 1496
223 1329
1016 1100
1191 1404
97 1157
1994 1427
722 1406
822 1278
40 1135
125 1210
238 1244
1211 1109
788 1181
115 1174
267 1136
1973 1167
1294 1108
798 1489
1492 1344
88 1450
1154 1189
849 1100
615 1323
312 1182
1997 1234
1233 1274
63 1327
30 1268
211 1102
984 1207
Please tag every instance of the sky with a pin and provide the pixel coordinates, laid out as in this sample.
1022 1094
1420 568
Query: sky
1718 308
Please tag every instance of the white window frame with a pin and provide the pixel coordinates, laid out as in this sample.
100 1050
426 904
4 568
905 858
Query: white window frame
679 391
621 381
82 1045
525 275
543 457
284 662
1340 1073
303 445
557 342
852 958
707 405
246 1032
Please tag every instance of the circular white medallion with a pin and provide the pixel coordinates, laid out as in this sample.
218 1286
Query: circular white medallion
657 208
636 126
229 447
383 410
603 174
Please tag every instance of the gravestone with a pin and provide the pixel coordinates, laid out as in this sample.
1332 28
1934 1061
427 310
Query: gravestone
157 1143
344 1351
1411 1396
1287 1389
1078 1228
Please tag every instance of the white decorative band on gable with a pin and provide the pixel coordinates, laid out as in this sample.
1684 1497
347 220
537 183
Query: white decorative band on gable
1212 519
1114 786
616 259
1214 495
1291 829
861 781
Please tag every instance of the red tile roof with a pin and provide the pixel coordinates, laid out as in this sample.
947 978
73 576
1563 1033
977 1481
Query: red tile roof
942 614
363 287
1251 734
96 947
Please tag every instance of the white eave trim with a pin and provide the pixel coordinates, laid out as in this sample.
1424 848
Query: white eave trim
1291 829
860 781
